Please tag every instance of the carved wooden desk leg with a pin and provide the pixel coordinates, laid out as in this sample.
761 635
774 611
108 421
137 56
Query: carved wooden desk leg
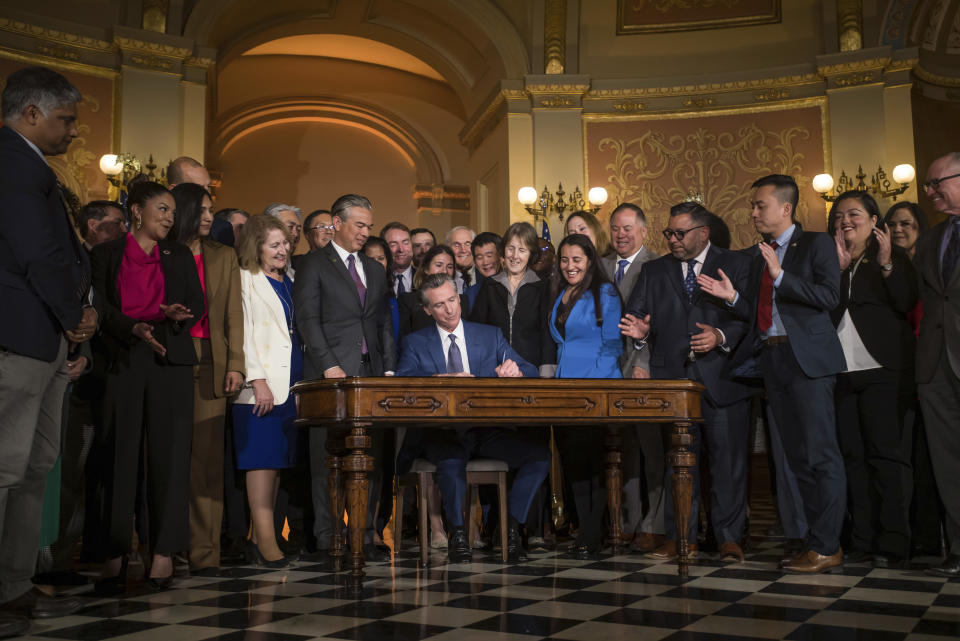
357 464
683 461
614 482
335 454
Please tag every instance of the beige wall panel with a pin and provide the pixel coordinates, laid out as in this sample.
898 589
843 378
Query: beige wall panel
151 109
558 156
311 164
193 119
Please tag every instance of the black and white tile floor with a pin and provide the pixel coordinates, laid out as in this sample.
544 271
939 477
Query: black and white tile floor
549 597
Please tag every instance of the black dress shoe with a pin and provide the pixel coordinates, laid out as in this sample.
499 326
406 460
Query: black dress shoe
160 583
515 551
888 560
458 548
376 553
61 578
949 568
35 604
12 625
857 555
586 552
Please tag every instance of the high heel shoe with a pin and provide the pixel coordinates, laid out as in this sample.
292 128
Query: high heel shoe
112 585
160 583
254 550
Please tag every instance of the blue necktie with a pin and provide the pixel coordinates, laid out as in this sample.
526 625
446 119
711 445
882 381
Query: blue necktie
454 358
951 255
621 270
690 282
400 288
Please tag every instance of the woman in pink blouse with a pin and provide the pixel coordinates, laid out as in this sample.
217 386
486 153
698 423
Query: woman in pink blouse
146 290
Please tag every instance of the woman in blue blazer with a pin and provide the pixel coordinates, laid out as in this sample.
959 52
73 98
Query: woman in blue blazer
583 322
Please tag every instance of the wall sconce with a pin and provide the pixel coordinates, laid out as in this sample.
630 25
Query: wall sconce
879 185
540 205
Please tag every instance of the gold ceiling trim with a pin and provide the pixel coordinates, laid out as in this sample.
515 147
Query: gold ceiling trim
935 78
152 48
572 89
730 86
795 103
57 62
854 66
55 35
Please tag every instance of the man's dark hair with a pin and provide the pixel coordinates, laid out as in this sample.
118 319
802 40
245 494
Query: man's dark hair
785 187
391 226
39 86
423 230
485 238
642 217
225 213
342 205
95 210
308 221
189 212
699 214
434 281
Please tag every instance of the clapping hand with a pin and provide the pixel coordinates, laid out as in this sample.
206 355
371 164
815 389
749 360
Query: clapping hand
144 332
770 256
843 254
884 251
636 328
722 289
176 312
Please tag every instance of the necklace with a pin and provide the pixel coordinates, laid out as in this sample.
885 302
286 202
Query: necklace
287 307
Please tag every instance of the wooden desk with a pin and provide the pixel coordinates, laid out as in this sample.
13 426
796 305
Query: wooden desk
353 405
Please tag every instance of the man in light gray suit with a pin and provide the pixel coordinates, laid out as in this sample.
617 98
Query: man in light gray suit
938 346
642 447
340 303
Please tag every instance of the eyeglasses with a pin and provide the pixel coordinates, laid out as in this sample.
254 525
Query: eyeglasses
326 227
679 233
935 182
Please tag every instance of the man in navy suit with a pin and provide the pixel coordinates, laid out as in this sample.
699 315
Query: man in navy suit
44 283
793 285
691 334
455 348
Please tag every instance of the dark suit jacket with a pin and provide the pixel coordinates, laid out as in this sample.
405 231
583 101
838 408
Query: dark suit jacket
412 316
659 292
809 291
421 353
182 285
879 307
42 263
528 330
331 320
631 358
940 327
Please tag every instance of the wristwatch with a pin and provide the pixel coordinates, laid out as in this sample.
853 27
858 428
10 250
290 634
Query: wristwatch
888 267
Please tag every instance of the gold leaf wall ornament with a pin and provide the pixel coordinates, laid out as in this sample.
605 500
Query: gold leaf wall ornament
630 106
656 170
855 79
554 36
771 95
698 103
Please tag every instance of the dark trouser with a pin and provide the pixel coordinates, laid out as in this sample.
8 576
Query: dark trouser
789 500
450 451
726 432
926 510
31 403
582 452
940 400
803 409
320 473
870 408
236 519
150 408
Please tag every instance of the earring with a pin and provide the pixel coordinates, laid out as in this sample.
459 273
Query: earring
139 223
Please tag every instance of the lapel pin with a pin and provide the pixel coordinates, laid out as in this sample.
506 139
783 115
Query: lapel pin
166 252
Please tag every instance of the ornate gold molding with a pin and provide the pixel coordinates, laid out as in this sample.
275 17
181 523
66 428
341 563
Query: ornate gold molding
771 95
152 48
630 106
554 36
855 79
936 79
58 51
559 88
850 24
55 35
557 101
729 86
702 102
853 66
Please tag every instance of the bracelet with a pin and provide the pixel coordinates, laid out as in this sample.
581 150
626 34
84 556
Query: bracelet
888 267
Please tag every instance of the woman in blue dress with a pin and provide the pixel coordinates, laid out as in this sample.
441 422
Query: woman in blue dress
583 322
265 437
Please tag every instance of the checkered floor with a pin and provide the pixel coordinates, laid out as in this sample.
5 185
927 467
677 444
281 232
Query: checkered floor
549 597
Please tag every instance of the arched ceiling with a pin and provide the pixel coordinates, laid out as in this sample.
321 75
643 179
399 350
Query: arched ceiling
346 48
933 26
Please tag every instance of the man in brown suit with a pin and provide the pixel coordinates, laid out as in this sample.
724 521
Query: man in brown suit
938 346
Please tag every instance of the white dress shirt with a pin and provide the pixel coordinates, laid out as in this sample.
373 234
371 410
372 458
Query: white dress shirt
461 343
343 253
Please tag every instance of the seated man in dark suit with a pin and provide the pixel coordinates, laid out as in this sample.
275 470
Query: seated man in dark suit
436 351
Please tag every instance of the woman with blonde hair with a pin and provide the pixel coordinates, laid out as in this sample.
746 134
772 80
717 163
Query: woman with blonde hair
265 437
582 222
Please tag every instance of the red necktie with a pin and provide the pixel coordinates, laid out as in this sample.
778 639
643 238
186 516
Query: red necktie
765 303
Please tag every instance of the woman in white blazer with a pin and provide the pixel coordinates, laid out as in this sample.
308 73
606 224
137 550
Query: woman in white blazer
265 438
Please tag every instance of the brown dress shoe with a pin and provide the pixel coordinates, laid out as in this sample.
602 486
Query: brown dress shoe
668 551
730 552
811 562
647 541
